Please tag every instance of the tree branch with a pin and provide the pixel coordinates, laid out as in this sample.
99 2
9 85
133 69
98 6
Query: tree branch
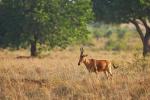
145 25
135 23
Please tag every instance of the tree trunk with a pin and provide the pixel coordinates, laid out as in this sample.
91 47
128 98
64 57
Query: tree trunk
146 45
144 37
146 42
33 46
33 49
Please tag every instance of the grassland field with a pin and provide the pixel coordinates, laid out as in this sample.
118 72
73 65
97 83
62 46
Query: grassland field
56 76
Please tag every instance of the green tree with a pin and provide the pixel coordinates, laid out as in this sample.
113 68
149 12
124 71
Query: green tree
125 11
50 22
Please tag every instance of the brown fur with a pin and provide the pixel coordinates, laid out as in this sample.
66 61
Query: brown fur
94 65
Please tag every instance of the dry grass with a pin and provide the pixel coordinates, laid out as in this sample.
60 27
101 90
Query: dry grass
57 76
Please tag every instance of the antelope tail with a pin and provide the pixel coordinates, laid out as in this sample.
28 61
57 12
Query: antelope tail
114 66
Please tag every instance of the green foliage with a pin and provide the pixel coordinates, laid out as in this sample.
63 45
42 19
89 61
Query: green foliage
145 2
116 37
118 44
49 22
99 29
125 11
118 40
118 11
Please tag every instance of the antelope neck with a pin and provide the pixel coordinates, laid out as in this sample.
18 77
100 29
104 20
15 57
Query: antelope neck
86 61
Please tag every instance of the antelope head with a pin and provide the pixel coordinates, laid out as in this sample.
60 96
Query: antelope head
82 56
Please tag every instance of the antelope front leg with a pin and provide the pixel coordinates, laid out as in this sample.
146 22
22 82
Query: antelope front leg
106 74
95 67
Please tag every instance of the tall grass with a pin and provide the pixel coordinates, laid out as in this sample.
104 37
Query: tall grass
57 77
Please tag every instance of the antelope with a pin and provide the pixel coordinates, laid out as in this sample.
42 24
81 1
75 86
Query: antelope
96 66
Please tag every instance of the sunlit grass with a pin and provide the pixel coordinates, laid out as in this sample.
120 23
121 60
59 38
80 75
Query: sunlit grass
58 77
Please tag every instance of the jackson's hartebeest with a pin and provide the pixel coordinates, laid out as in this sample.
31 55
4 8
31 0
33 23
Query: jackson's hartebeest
96 66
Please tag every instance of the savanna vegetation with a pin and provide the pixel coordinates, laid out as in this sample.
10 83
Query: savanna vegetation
58 77
40 44
121 11
47 23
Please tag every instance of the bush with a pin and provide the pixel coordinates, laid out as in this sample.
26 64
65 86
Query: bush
118 39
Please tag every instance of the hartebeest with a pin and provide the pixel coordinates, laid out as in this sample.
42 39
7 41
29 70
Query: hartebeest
94 65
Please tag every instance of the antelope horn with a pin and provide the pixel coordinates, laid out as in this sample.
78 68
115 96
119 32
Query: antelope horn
82 50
